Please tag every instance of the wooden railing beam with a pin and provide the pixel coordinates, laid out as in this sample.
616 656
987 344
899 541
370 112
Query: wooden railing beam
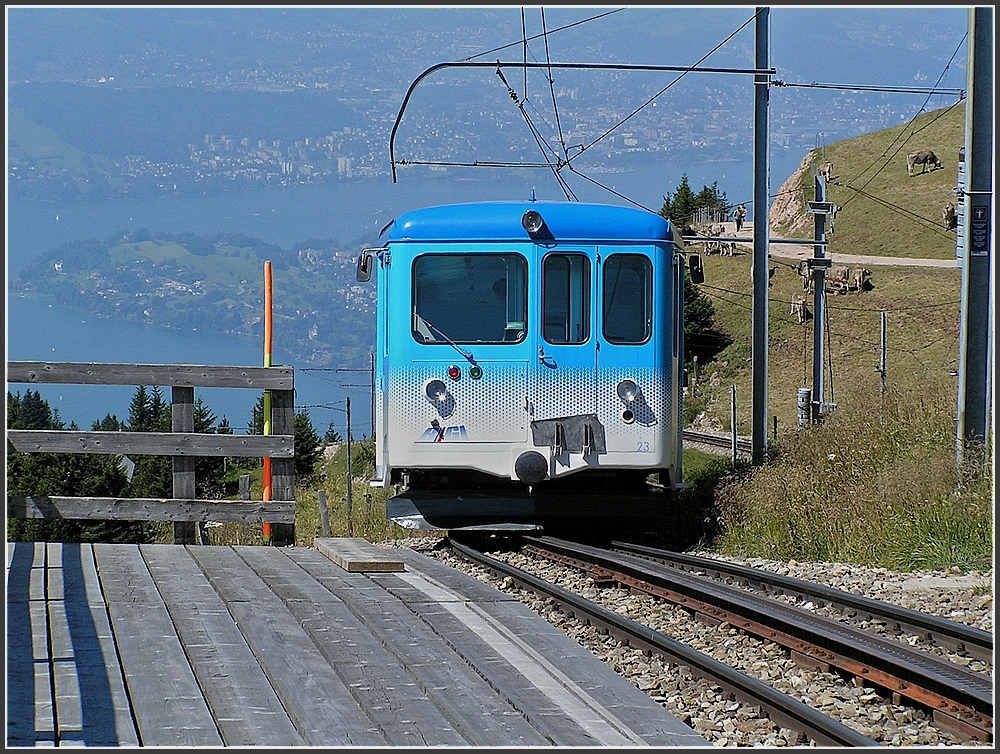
162 375
152 443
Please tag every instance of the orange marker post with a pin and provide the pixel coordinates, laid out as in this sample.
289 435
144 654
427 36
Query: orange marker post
266 474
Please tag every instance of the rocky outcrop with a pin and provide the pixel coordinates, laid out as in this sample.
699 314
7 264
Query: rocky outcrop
788 211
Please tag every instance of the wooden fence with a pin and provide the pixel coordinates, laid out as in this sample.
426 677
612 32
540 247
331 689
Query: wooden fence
182 444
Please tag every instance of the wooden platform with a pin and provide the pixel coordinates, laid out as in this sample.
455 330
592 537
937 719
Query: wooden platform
171 645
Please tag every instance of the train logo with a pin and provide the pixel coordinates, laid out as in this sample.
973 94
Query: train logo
437 433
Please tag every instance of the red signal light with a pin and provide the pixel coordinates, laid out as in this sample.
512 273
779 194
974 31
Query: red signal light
454 372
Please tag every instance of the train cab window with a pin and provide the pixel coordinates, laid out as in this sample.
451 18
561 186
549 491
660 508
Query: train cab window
470 298
566 298
628 298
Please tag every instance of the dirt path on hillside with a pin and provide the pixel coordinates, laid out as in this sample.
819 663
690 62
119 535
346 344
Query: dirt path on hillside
795 251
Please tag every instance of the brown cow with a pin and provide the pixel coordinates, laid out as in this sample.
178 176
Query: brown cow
826 170
923 158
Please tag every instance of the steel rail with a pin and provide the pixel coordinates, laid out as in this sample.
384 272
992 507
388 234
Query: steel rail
961 699
957 636
719 441
782 709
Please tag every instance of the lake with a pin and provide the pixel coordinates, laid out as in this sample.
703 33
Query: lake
38 331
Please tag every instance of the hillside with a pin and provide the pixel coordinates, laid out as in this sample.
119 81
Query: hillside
214 283
884 213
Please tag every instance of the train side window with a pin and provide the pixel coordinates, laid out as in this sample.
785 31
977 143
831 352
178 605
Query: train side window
470 298
566 298
628 298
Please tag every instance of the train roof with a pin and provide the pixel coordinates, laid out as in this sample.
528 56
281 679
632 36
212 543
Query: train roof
501 221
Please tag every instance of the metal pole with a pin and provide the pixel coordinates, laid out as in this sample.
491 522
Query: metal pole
885 347
732 418
819 300
350 522
761 235
976 337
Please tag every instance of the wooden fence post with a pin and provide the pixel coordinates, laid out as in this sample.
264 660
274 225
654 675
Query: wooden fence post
283 469
182 420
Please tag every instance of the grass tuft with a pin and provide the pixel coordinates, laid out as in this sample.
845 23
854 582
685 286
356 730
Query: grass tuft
877 483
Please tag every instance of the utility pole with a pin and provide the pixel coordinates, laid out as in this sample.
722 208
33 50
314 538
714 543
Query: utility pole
976 338
761 235
884 348
818 265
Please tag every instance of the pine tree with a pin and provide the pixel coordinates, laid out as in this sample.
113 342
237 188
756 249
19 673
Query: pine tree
76 475
680 206
332 435
307 445
140 412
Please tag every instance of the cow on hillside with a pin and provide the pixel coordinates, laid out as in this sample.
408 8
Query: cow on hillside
799 308
838 279
826 170
860 279
728 248
715 230
949 217
923 158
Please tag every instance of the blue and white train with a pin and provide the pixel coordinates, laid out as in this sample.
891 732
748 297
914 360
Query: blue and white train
529 359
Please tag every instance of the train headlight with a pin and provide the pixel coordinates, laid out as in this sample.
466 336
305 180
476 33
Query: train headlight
531 221
436 391
628 391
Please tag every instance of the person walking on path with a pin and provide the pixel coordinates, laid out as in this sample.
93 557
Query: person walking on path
740 215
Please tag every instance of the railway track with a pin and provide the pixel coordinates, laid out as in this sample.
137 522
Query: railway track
721 442
958 699
781 708
955 636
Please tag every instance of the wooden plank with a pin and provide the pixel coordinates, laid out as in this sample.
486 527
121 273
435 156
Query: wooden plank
68 703
164 375
150 509
575 699
30 719
152 443
240 696
316 700
96 655
358 555
168 704
376 679
475 708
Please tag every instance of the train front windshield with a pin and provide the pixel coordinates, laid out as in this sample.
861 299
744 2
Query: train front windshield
470 298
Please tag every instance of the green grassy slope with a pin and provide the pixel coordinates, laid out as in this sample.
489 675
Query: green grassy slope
892 215
883 211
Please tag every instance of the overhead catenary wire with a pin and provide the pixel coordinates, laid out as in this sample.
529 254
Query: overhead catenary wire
565 160
556 169
909 124
842 340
